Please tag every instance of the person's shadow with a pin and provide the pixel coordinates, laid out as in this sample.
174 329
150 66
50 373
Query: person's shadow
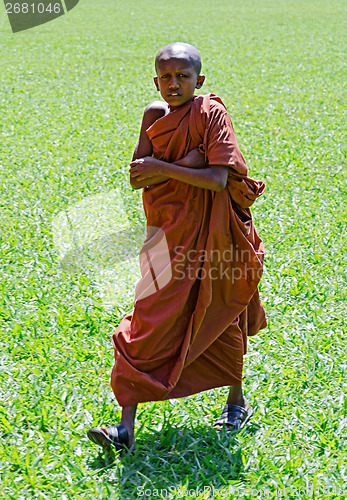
174 460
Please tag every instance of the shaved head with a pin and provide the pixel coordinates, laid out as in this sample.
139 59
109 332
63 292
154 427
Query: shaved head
180 50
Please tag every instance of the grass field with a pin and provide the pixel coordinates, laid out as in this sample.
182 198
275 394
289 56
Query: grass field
71 98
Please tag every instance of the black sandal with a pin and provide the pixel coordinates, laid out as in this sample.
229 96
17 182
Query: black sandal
117 437
234 417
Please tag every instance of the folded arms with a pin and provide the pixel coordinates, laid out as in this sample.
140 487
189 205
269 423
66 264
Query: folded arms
192 169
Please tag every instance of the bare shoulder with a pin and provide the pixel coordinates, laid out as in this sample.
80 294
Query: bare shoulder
158 106
155 110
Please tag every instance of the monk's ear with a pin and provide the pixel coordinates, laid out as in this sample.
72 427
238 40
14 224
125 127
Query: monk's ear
156 82
200 81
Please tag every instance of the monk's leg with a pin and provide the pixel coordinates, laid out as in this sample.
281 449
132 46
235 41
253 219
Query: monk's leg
128 420
236 396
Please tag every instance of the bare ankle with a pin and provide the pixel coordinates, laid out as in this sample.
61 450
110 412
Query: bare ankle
236 396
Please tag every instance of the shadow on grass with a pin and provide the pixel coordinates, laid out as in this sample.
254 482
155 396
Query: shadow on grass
173 459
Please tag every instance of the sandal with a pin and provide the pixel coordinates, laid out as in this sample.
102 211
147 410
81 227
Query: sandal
234 417
117 437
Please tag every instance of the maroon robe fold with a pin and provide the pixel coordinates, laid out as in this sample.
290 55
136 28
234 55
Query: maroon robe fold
188 330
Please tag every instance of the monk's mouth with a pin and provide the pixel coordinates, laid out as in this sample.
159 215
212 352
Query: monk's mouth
174 94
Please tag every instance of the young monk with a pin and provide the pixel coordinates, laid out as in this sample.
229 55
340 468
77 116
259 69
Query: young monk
193 312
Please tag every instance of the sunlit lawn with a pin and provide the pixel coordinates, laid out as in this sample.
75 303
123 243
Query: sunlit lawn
71 98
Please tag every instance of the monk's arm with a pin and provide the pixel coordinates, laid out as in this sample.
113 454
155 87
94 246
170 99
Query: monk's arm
213 177
152 112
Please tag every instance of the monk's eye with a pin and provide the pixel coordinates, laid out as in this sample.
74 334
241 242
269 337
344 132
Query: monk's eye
183 76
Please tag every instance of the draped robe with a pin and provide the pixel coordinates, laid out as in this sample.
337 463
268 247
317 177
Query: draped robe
190 333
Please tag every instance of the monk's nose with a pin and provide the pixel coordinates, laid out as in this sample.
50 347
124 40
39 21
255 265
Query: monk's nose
174 83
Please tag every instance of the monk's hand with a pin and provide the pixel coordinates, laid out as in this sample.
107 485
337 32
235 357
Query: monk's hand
194 159
146 167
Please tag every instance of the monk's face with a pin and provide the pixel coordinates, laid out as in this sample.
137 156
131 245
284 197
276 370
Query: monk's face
177 80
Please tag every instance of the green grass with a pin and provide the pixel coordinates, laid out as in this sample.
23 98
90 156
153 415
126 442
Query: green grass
71 97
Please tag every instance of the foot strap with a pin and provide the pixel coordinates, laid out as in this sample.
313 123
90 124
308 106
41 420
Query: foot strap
234 417
117 436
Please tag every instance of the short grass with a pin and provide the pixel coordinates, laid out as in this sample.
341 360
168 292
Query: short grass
71 97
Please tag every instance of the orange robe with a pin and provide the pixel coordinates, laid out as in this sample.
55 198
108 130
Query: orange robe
190 334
